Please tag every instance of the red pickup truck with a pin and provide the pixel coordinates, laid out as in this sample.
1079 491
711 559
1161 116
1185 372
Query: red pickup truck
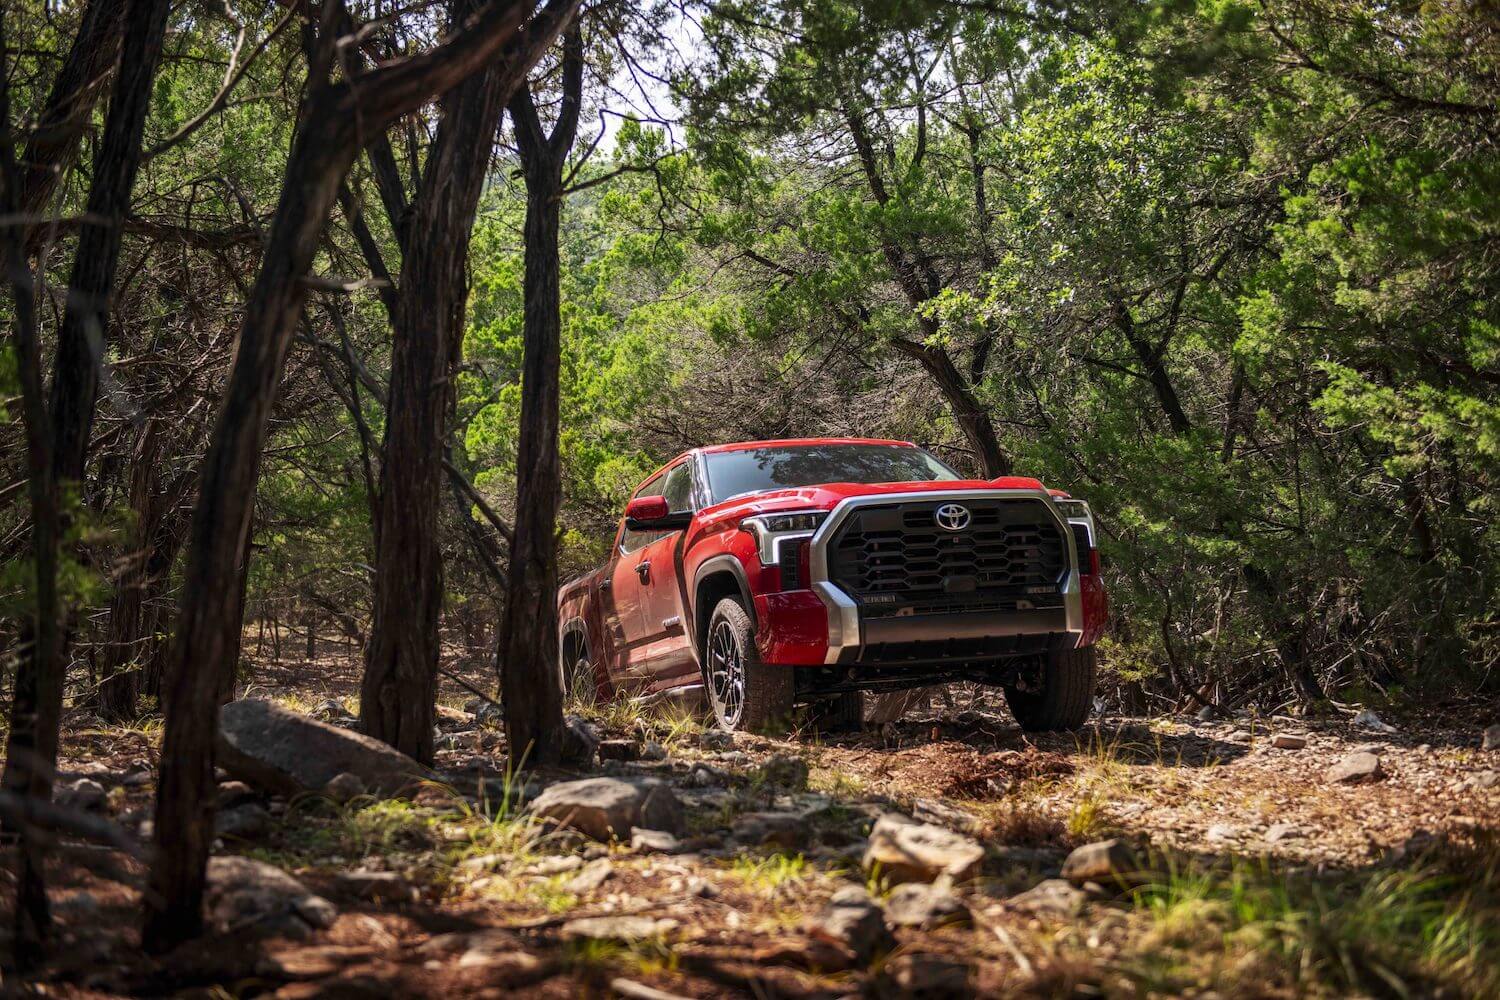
779 573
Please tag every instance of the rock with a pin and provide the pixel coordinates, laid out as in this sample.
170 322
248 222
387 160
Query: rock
579 742
1483 781
605 808
233 793
555 865
454 718
854 921
85 794
282 751
484 712
917 904
251 896
1278 832
789 830
247 821
653 842
703 776
628 929
782 770
1240 736
590 877
619 750
314 962
1375 748
1355 769
928 977
1369 720
1107 861
716 739
1053 897
377 886
1221 832
1288 741
1207 714
1491 738
333 711
344 787
903 850
652 750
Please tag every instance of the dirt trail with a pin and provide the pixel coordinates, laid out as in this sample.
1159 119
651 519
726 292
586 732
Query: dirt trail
1258 856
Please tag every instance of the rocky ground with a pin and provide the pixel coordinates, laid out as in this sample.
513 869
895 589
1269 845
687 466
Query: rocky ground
948 855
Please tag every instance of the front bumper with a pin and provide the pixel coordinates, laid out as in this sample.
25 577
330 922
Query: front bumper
982 634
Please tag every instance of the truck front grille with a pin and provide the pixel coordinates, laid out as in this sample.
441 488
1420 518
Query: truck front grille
895 556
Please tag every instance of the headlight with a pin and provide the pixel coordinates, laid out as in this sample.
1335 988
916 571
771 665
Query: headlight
1078 512
770 530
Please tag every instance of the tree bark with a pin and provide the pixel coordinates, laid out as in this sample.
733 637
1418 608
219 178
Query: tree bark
338 118
399 690
31 750
527 648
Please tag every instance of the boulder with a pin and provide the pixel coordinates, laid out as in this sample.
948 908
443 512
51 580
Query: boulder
85 794
606 808
904 850
917 904
654 842
282 751
246 896
1356 769
854 921
1106 861
344 787
1053 897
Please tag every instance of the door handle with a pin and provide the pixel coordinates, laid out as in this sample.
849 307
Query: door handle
643 570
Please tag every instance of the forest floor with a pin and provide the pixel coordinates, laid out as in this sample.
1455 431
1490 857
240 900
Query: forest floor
1253 871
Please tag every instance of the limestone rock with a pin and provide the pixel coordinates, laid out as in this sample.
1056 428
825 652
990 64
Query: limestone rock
282 751
628 929
854 921
917 904
907 851
246 821
789 830
1288 741
1356 769
605 808
1107 861
254 897
654 842
1053 897
579 742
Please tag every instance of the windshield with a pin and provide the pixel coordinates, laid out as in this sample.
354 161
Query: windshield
732 473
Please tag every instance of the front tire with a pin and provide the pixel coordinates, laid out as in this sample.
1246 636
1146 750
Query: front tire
745 693
1066 694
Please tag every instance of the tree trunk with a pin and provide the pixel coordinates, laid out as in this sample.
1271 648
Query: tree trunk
31 750
338 115
119 682
399 691
529 681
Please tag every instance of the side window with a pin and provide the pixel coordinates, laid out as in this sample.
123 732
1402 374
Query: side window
678 488
632 540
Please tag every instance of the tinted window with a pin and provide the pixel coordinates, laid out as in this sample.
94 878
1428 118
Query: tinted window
678 488
731 473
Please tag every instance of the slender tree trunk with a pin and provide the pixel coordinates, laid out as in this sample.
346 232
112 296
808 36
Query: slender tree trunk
529 680
119 683
399 691
208 625
31 751
80 345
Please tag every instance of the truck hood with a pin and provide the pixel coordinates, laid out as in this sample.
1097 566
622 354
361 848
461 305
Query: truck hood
826 496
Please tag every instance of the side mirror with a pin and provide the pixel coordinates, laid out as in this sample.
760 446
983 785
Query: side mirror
654 514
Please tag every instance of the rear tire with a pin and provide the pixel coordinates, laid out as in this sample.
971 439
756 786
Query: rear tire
745 693
843 713
1065 697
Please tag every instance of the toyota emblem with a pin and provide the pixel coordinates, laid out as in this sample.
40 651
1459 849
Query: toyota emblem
952 517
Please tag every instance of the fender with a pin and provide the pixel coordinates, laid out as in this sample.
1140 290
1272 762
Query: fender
708 567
